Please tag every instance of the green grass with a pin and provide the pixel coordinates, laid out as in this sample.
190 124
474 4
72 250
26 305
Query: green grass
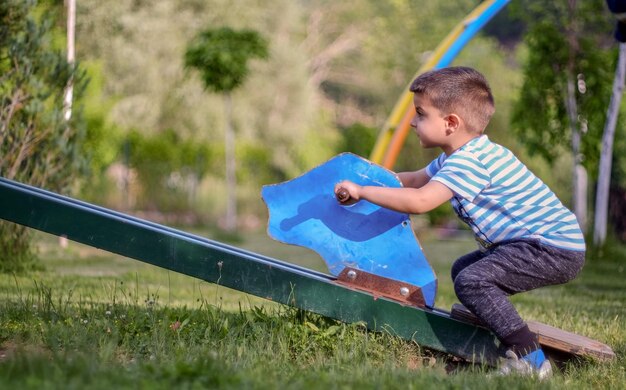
95 320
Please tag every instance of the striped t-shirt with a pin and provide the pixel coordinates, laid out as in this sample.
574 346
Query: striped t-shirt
500 199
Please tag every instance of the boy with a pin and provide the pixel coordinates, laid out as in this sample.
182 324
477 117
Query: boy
527 238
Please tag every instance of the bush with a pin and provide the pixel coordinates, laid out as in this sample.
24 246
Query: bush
37 145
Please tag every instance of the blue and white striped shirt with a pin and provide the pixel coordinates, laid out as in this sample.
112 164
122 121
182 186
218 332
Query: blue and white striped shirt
501 199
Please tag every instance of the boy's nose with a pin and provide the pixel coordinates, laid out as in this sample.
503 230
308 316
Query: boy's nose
414 122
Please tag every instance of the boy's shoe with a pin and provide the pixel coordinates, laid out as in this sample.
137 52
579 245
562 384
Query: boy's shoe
527 365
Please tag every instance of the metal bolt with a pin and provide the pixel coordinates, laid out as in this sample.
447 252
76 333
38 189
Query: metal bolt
404 291
351 275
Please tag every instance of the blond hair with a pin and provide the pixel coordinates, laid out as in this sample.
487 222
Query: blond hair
460 90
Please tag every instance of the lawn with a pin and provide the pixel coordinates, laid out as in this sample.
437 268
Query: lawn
91 319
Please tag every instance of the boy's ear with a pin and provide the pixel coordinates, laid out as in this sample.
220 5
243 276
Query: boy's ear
453 122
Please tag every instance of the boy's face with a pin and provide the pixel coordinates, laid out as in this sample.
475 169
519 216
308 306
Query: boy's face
429 123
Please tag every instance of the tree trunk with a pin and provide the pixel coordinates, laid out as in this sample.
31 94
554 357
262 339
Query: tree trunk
71 28
579 174
606 156
231 180
69 90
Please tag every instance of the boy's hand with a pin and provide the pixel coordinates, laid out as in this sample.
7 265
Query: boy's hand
347 192
402 199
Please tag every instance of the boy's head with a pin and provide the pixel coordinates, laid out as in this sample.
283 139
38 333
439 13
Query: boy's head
459 90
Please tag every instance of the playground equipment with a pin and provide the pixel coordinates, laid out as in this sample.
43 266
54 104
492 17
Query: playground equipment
362 237
396 128
241 270
355 295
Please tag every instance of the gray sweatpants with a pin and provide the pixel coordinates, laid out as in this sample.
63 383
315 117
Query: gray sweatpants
483 281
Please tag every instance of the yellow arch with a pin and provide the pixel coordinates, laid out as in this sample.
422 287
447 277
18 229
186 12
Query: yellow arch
396 127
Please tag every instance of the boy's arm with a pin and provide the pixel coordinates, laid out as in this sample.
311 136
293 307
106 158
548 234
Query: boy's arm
415 179
405 200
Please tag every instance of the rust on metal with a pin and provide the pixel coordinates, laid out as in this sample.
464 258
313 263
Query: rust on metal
380 286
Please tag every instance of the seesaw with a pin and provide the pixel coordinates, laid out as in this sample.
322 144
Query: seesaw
372 249
366 292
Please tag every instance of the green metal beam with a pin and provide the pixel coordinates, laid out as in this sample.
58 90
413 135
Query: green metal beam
242 270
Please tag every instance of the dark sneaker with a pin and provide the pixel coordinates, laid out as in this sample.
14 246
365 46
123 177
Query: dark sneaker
514 365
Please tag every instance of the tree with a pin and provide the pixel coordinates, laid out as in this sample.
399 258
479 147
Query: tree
38 145
166 160
606 155
221 56
565 86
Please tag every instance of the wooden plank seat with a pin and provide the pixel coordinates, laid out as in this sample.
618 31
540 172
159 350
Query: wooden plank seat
558 343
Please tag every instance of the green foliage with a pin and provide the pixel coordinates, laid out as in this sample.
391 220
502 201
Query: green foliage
166 161
255 165
358 139
332 64
37 145
565 46
16 254
102 138
618 170
379 47
222 56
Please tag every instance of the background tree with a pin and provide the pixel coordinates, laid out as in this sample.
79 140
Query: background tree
37 145
562 101
222 57
606 157
165 160
332 64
